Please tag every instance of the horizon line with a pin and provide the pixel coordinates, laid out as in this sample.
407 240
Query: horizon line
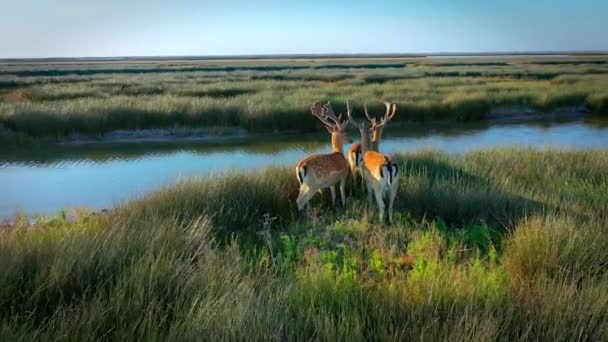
315 55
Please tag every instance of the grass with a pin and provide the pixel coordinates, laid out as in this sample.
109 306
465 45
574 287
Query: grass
492 245
45 100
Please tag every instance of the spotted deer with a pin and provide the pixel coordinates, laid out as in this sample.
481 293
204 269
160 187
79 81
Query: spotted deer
380 173
355 155
325 170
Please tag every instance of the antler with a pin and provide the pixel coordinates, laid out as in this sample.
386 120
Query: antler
318 110
369 118
324 112
349 112
391 108
329 112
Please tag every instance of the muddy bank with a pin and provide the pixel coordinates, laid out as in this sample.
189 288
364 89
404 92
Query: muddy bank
497 115
512 114
161 135
218 134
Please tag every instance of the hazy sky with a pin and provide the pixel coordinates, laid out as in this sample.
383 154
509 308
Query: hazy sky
39 28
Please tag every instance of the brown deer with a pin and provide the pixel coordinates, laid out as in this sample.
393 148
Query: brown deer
325 170
355 155
380 173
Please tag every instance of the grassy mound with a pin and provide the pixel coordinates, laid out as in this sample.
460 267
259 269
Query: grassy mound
500 244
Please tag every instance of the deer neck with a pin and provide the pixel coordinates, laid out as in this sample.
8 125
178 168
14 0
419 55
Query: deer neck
336 143
377 135
365 141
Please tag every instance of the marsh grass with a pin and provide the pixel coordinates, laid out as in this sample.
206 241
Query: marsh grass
271 96
479 251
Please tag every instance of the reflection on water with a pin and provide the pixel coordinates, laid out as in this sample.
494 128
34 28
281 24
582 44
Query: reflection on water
45 180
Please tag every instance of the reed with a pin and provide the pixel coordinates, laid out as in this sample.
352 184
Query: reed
49 100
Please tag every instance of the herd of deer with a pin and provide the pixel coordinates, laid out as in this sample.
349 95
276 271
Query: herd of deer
378 173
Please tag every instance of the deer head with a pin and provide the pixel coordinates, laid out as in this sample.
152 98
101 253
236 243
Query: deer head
334 124
378 126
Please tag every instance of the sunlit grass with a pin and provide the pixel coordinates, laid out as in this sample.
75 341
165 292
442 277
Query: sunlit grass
499 244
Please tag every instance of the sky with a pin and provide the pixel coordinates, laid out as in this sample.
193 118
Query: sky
101 28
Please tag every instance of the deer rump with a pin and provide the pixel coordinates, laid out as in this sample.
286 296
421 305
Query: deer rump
301 171
389 172
384 175
357 156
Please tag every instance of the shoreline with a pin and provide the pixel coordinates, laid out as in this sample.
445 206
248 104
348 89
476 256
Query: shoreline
500 115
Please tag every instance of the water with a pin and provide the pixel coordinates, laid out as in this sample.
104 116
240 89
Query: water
43 181
498 56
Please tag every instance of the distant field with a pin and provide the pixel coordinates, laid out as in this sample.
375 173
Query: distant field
58 99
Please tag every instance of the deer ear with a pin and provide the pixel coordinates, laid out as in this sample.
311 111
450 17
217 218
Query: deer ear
329 130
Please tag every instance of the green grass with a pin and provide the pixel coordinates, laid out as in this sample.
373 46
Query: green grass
58 100
502 244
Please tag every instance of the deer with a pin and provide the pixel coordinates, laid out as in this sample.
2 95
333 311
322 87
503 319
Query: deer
380 174
378 127
355 160
355 156
321 171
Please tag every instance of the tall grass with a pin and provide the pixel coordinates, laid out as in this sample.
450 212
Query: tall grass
479 251
60 100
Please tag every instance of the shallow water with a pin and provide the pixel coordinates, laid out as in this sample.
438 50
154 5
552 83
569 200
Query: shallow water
45 180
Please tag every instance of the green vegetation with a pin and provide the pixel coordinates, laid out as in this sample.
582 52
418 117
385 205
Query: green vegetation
493 245
57 100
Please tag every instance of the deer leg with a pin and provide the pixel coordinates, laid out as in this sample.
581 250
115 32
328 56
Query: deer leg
343 191
333 195
392 195
304 196
380 200
299 201
370 193
306 199
368 185
362 181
